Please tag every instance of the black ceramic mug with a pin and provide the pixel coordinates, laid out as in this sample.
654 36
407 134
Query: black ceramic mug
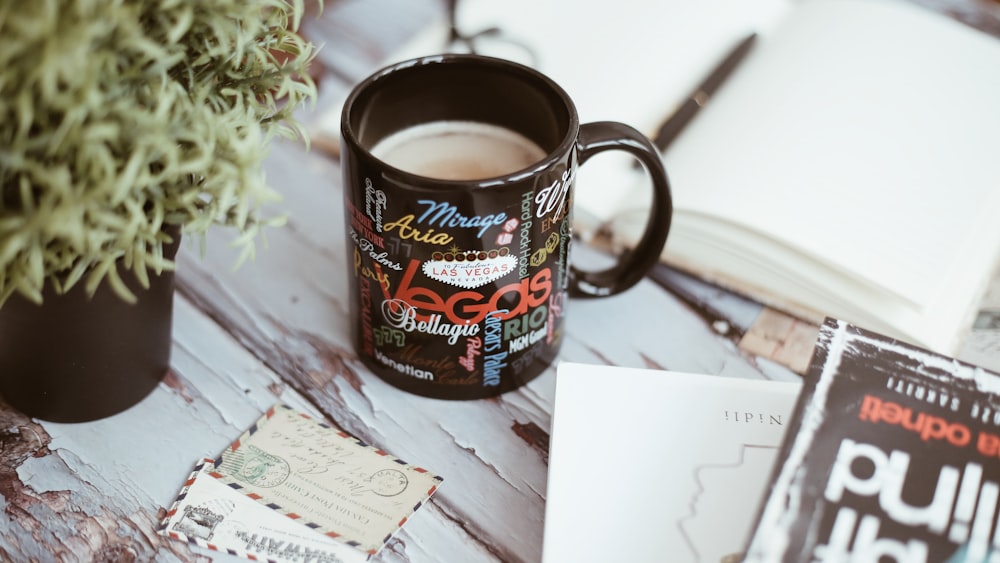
458 188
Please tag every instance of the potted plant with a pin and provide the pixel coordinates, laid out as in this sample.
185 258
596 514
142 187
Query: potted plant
123 123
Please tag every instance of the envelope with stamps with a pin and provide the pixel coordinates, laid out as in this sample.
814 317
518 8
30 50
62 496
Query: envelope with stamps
294 488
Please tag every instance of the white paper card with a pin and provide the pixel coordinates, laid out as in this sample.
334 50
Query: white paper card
658 466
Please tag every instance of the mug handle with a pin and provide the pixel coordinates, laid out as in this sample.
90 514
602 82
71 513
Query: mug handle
633 263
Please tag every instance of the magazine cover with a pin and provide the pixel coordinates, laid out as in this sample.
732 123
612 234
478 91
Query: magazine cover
893 454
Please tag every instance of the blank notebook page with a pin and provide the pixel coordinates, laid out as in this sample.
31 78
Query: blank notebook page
876 147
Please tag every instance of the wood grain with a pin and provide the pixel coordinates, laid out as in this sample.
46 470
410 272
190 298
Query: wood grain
277 330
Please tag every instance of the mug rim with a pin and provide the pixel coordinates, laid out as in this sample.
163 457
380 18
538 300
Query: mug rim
551 158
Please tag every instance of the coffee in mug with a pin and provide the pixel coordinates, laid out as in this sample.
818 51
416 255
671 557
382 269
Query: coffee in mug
458 175
458 150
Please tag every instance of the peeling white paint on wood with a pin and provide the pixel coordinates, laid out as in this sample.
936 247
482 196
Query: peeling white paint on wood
277 329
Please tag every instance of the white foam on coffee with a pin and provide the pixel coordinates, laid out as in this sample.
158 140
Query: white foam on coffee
458 150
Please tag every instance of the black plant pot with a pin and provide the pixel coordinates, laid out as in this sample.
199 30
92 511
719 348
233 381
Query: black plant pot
77 358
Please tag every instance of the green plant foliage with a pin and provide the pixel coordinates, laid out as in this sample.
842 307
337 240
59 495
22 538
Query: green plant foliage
120 117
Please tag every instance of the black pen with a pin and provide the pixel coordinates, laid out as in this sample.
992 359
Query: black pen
679 119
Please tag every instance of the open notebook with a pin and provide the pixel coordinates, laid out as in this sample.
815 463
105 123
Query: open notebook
847 168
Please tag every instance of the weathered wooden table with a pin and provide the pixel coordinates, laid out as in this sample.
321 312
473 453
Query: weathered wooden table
277 329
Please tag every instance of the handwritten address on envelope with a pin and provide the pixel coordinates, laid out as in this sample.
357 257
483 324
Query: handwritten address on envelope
325 478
